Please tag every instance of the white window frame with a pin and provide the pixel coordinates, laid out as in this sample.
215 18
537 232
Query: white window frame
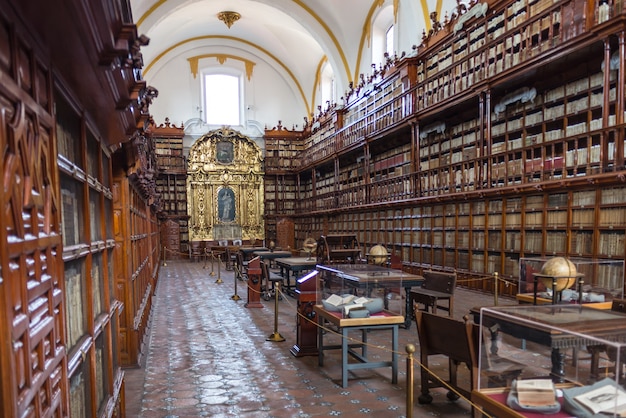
231 72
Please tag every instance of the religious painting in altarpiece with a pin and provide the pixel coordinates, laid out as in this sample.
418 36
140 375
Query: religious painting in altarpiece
225 187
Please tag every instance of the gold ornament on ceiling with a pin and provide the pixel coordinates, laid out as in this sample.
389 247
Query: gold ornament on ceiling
228 17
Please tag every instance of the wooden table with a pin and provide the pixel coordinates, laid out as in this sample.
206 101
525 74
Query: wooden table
272 255
249 251
370 276
295 265
380 321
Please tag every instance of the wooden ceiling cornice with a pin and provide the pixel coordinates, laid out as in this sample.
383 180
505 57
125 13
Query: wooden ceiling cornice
94 50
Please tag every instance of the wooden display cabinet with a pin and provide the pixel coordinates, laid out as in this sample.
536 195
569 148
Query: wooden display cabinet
306 323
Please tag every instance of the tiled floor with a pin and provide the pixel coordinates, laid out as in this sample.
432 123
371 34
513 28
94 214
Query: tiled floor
208 356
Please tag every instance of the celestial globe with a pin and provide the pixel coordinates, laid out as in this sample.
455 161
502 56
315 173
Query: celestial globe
378 254
560 268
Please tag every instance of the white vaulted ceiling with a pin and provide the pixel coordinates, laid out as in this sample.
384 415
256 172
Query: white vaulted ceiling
285 42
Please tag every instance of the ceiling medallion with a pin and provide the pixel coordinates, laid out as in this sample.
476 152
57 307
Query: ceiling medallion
228 17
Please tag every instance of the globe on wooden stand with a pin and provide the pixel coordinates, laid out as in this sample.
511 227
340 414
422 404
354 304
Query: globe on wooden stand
310 245
378 255
558 274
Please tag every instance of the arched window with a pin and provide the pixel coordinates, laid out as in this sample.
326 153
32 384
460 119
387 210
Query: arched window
383 34
327 85
389 36
222 99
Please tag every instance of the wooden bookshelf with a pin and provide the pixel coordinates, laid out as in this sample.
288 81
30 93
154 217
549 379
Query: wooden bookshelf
492 162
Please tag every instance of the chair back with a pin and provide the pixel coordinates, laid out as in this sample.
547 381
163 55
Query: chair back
439 281
447 336
618 305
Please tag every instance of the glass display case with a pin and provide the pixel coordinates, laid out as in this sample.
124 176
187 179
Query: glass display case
566 360
361 298
364 290
590 280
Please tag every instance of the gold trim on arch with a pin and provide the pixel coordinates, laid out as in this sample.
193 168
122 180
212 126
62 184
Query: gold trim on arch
329 32
232 38
221 59
366 33
318 80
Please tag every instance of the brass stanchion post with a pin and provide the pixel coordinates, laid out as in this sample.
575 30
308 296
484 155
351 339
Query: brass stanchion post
212 262
496 288
205 255
219 270
410 349
235 277
164 256
276 337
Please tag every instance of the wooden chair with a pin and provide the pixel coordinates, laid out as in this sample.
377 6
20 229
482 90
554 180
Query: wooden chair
439 335
269 277
459 341
437 287
240 266
196 250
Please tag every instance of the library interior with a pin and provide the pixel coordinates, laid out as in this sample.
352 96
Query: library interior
256 208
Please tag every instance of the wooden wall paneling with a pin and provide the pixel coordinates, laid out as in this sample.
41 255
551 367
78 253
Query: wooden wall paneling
32 351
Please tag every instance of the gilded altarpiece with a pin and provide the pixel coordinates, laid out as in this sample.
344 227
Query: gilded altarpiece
225 187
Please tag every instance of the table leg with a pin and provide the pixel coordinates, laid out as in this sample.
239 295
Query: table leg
394 354
320 341
344 357
408 309
558 364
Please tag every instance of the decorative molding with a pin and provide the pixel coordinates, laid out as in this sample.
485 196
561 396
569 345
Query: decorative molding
228 17
221 59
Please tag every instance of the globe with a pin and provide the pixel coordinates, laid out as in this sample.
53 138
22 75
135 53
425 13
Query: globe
378 254
310 245
561 269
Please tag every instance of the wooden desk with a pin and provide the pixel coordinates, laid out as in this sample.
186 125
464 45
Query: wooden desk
370 276
249 251
380 321
295 265
272 255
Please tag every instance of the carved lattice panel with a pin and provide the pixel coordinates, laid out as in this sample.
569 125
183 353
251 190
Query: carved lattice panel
30 264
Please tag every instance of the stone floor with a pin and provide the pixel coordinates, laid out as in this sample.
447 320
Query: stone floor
208 356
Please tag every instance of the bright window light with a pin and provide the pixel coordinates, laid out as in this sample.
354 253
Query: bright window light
389 41
221 104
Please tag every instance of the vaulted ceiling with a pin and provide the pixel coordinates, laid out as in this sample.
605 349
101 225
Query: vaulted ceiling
295 38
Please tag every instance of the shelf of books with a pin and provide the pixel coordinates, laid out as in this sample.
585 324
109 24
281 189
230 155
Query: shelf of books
496 163
86 212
